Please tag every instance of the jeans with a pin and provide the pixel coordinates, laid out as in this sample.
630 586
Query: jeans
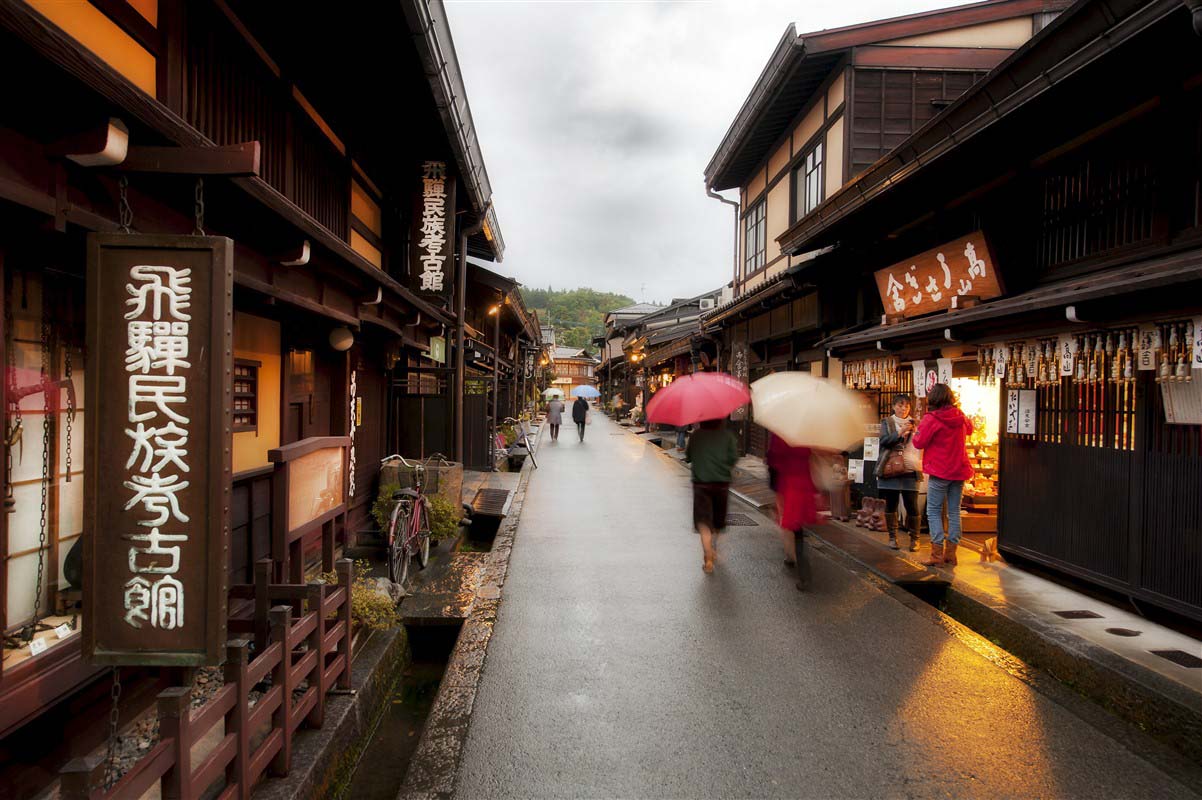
680 436
939 491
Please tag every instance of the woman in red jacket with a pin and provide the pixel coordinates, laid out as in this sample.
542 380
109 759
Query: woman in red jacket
941 436
796 505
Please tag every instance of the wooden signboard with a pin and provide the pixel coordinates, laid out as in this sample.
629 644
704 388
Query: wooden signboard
159 338
928 282
432 260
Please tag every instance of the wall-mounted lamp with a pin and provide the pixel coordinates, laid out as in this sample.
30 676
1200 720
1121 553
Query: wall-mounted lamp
492 312
341 339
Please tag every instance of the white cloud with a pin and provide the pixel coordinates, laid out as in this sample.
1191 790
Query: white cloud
597 119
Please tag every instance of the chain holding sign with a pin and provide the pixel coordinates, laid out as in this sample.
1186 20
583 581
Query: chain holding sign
160 374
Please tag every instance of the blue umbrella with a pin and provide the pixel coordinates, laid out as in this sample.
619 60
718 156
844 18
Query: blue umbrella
585 391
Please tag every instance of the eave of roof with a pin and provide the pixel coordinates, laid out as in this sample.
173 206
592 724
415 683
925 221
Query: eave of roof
800 63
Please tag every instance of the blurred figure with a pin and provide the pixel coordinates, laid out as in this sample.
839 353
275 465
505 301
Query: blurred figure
941 436
712 452
682 433
555 416
791 477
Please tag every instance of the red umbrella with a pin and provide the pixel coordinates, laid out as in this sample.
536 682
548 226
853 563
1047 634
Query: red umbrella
696 397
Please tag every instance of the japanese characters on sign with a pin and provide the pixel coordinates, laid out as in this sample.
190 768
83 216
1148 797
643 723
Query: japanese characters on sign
355 417
1066 351
434 221
928 282
159 345
1012 411
1147 340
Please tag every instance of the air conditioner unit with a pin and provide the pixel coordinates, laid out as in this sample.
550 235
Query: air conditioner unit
707 303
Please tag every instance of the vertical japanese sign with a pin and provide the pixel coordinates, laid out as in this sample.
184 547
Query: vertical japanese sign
739 369
433 256
159 338
1027 411
1196 335
1012 411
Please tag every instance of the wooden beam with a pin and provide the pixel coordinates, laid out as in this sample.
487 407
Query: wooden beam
966 58
234 160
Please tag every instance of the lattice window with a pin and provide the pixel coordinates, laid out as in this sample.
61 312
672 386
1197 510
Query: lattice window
246 395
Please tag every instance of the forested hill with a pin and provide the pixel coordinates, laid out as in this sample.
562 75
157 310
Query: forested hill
578 315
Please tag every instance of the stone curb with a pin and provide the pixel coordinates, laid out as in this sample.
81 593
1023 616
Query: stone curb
1167 712
323 759
435 764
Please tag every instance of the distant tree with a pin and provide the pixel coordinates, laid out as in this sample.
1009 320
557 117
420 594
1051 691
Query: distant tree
578 315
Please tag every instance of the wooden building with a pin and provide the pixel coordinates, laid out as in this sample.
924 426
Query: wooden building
827 106
572 367
1052 229
219 116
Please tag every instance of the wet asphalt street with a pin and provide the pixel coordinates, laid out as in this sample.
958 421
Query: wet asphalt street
619 669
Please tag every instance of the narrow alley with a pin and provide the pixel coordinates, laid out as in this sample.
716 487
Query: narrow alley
618 669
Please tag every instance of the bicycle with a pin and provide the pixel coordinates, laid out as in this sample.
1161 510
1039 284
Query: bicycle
409 526
523 438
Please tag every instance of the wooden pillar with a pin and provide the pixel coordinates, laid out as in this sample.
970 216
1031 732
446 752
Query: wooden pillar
281 676
345 568
238 771
174 707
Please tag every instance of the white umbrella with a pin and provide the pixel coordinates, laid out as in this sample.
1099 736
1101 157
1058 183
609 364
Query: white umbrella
807 411
548 394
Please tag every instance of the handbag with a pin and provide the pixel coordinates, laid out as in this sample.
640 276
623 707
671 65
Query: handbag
893 465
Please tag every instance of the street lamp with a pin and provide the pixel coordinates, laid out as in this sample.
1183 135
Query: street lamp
495 313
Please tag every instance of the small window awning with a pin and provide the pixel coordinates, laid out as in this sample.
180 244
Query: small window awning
1096 288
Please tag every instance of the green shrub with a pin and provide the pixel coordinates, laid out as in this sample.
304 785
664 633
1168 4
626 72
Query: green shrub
370 607
443 523
381 509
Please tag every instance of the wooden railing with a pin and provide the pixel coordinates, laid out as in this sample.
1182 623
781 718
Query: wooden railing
306 645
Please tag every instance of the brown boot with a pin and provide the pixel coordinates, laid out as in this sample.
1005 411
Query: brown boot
935 558
912 529
949 554
891 525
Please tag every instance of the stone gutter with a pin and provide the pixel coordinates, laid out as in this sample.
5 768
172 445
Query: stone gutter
435 764
324 758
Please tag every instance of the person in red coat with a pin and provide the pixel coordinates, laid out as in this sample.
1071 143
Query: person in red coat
790 476
941 437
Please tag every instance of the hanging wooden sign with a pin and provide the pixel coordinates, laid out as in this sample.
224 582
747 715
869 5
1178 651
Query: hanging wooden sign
929 281
159 367
432 259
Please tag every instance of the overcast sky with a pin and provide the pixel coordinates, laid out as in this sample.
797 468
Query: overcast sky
597 118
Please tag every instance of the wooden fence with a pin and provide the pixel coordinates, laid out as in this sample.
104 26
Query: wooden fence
303 644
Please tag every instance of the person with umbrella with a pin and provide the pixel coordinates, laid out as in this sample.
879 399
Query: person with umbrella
791 477
580 415
707 398
804 414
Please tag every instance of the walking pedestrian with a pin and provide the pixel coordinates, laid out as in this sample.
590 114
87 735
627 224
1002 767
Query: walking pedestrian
791 477
712 452
682 432
580 415
941 436
555 416
897 488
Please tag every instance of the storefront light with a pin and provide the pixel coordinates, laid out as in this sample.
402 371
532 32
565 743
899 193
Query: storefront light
980 402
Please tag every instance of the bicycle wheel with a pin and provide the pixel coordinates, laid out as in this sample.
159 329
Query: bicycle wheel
398 559
423 536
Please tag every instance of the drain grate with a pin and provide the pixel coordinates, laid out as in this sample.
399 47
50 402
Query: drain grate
1122 632
1180 658
1078 614
739 521
491 502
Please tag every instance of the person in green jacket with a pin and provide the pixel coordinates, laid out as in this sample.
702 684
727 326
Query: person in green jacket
712 451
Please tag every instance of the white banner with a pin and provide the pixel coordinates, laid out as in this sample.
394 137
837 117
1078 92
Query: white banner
945 371
1066 351
920 378
872 448
1012 411
1027 409
1147 342
1197 360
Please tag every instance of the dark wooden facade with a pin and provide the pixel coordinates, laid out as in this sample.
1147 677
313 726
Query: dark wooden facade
1091 203
310 263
